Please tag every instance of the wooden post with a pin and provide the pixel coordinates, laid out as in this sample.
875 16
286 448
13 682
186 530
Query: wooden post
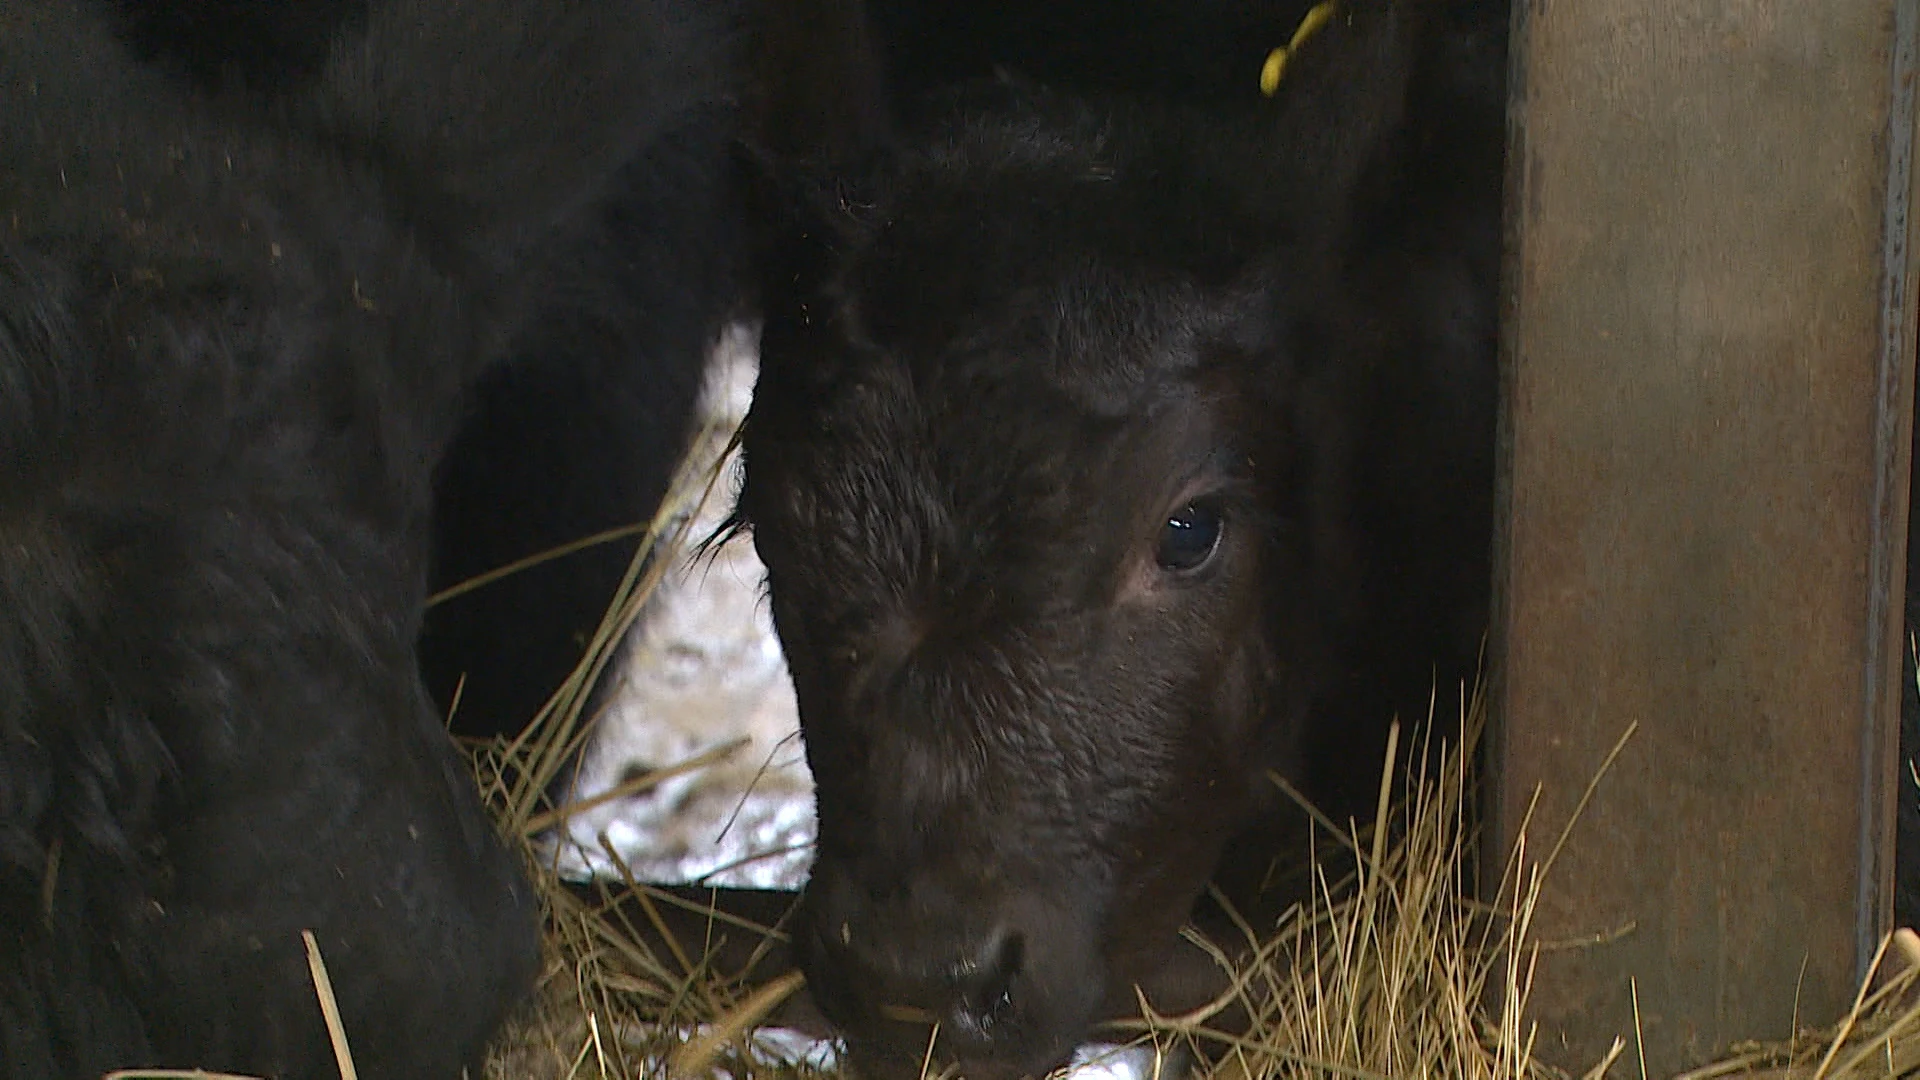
1709 350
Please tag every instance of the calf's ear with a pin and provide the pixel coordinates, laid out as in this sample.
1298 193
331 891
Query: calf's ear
819 135
803 215
1341 105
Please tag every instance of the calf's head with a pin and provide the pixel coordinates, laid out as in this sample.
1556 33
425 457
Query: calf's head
1041 471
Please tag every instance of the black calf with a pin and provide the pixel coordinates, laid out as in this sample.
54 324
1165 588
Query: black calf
1106 454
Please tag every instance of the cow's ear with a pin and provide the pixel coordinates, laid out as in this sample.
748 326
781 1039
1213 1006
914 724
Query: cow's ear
1340 105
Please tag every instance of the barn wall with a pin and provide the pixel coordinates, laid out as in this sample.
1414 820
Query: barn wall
1707 397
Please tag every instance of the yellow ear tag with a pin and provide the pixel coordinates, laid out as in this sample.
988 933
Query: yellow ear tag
1276 65
1270 71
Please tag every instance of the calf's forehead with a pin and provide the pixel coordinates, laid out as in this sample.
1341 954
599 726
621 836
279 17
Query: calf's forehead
1015 299
962 487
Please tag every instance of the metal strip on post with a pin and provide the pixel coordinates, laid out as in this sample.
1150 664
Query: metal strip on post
1899 333
1704 447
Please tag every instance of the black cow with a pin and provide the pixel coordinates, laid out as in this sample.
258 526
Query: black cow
1109 451
577 432
238 331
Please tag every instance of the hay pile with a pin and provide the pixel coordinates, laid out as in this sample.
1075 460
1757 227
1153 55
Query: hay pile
1384 969
703 669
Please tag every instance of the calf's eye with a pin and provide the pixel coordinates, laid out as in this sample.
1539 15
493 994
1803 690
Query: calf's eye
1189 538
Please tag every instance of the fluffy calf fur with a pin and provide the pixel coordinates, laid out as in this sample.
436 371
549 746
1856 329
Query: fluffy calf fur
235 338
1107 453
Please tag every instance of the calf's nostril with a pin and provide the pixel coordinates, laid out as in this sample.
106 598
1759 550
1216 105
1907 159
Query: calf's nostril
985 984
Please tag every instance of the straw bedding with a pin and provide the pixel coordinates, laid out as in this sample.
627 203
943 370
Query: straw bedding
1381 966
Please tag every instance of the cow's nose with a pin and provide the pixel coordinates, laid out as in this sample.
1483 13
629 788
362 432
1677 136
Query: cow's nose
982 985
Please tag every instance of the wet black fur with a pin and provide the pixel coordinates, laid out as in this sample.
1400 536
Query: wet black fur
992 367
237 334
578 433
